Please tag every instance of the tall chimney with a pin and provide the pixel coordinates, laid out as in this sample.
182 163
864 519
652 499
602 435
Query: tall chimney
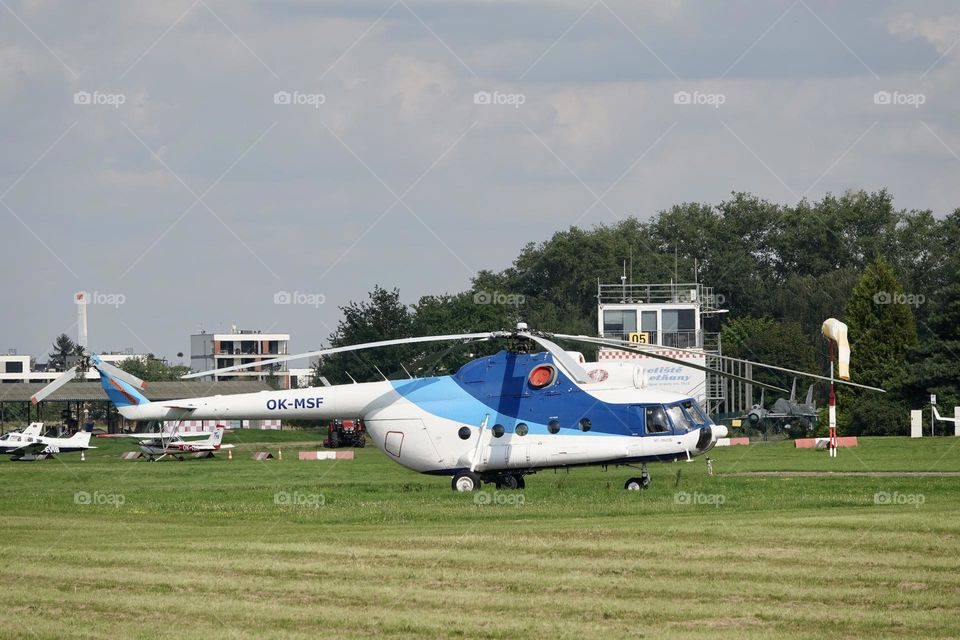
80 298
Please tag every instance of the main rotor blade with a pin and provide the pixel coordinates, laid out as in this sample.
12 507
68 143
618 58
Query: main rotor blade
53 386
750 362
657 356
352 347
116 372
570 366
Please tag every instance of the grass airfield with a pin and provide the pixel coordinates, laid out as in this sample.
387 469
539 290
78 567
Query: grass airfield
365 548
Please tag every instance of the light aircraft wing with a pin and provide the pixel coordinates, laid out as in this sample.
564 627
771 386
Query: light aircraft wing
156 436
180 404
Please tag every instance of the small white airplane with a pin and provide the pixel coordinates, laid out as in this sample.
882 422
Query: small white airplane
29 443
498 419
159 445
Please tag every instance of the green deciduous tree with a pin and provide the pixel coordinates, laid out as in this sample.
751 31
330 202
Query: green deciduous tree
152 369
382 317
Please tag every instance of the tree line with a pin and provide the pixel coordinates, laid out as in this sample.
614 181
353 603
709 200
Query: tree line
892 274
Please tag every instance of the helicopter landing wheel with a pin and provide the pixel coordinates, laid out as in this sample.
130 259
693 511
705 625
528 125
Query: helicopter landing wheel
465 481
637 484
510 481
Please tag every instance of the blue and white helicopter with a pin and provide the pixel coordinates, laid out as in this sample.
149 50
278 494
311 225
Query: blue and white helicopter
496 420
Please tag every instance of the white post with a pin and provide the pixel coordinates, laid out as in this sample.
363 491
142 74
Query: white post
916 423
956 421
933 403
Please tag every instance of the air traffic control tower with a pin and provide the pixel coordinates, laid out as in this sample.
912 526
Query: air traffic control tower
670 317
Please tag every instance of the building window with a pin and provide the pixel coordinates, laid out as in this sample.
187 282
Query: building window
648 324
679 328
619 321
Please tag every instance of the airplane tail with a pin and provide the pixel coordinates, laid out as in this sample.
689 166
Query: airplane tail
216 437
809 399
120 393
33 429
793 392
79 439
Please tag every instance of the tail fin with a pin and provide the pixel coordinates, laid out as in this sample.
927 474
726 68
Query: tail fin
216 437
120 393
809 395
33 429
80 439
793 392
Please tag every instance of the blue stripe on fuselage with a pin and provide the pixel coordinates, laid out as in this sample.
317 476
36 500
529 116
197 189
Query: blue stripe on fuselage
497 386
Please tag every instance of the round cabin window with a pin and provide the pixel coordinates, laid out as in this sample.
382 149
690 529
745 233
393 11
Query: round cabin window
553 426
585 424
464 433
498 430
521 429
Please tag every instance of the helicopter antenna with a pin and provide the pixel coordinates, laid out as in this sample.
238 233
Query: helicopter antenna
381 373
350 376
409 375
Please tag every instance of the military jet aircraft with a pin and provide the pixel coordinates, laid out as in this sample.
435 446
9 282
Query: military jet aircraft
785 414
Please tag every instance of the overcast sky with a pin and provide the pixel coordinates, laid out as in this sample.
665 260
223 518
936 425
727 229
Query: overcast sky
188 161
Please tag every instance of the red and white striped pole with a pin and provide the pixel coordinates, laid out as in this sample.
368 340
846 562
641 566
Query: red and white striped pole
836 334
832 446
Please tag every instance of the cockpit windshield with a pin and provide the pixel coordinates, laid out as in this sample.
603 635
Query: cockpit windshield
679 418
695 411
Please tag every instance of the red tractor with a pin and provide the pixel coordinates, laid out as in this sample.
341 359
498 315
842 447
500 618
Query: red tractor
345 433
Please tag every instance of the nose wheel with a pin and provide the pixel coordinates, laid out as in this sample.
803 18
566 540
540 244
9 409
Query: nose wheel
638 484
465 481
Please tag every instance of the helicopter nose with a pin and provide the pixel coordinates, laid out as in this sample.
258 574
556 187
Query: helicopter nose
708 437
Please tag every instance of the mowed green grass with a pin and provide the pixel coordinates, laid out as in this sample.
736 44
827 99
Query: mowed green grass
364 548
